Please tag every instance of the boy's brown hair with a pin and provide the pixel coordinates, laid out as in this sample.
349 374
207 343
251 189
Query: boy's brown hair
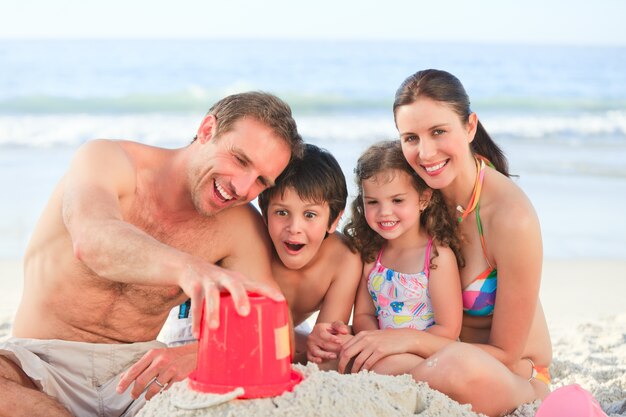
316 177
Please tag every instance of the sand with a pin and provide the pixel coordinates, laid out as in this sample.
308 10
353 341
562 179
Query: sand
583 302
592 355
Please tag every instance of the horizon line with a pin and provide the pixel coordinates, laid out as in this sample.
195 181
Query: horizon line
345 39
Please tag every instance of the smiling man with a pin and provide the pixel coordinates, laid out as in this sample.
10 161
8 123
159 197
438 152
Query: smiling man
129 232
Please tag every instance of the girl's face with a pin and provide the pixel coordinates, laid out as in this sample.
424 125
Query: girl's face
392 204
435 141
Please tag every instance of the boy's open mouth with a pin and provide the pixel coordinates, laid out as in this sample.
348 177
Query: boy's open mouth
294 246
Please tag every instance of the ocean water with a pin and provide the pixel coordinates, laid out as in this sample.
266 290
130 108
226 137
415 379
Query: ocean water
559 113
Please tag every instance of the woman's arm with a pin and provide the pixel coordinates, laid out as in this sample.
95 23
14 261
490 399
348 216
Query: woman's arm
514 238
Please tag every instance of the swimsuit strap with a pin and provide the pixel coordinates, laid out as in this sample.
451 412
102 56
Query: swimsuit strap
377 262
380 254
478 185
487 161
429 246
482 237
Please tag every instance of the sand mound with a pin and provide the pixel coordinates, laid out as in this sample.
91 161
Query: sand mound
592 355
326 394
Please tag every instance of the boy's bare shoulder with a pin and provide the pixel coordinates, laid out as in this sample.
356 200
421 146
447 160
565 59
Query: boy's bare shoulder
339 251
339 242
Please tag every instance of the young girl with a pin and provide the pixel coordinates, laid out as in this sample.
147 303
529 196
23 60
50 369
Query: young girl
410 280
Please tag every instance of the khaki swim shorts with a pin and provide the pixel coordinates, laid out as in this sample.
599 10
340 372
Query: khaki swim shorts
81 376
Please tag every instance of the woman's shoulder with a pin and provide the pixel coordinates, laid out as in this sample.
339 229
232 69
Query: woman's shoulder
503 198
505 209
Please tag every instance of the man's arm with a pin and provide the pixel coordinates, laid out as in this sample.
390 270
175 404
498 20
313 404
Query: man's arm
249 252
101 175
248 245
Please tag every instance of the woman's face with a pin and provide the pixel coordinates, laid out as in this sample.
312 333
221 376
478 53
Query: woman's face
435 141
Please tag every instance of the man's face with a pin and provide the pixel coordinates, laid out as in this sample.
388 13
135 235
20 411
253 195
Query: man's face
232 169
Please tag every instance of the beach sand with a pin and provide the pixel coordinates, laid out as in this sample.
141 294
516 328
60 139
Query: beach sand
584 305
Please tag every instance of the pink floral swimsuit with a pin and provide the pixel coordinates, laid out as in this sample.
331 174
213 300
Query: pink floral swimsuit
401 300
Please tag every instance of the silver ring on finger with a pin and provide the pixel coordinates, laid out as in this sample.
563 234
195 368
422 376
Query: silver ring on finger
159 384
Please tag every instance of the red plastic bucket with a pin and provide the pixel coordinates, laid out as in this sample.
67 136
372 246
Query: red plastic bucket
252 352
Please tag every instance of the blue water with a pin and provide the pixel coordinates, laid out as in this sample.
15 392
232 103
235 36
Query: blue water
559 113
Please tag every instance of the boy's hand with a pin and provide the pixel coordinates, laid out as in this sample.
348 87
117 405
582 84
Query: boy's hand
325 341
339 327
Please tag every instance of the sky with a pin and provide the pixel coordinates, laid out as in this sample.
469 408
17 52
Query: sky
580 22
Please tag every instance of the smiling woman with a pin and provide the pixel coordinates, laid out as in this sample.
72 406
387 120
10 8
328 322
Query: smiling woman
507 341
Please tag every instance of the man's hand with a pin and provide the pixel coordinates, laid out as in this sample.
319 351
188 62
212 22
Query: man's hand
204 283
162 366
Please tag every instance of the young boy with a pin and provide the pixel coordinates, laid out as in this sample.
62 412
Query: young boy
312 263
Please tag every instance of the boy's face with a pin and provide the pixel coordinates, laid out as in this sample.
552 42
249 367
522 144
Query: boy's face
297 228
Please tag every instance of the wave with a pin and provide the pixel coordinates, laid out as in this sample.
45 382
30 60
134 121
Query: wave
199 99
548 104
54 131
168 129
610 125
193 100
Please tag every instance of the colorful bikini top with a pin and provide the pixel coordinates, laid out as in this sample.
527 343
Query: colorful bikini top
479 296
401 300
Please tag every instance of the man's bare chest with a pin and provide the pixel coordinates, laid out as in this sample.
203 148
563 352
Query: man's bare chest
191 233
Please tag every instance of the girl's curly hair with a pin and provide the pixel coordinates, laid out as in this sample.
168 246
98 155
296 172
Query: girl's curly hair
380 158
